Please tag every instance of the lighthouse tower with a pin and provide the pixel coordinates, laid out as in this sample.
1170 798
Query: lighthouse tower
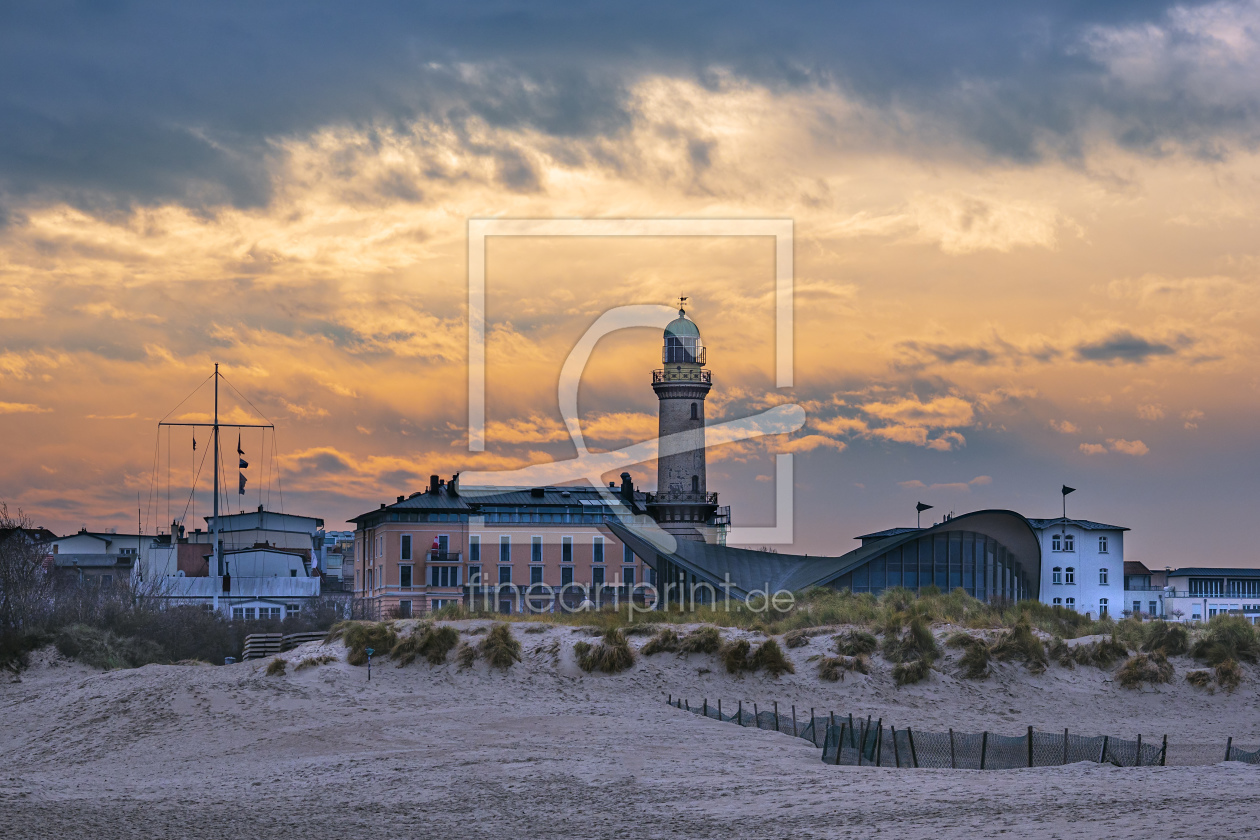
682 504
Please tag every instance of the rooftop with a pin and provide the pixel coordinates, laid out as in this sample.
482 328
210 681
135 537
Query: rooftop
1210 571
887 532
1084 524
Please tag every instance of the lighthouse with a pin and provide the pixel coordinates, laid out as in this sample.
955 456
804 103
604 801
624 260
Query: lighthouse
682 504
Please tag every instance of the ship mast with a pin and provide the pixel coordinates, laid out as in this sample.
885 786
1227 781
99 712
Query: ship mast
218 561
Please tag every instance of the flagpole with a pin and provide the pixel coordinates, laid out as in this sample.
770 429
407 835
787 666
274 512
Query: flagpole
218 570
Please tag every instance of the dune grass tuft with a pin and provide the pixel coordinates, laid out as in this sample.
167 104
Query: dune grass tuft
701 640
466 655
1200 679
770 657
1020 644
1102 654
912 671
666 641
796 638
611 656
913 643
358 636
105 650
856 643
1153 668
276 667
833 668
314 661
1166 638
428 640
500 648
1228 638
975 662
734 655
1228 674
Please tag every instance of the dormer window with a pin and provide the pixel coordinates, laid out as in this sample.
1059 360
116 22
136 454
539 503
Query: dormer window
1057 575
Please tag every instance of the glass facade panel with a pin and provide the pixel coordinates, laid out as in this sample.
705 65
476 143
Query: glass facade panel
955 560
894 567
879 573
861 578
969 562
940 561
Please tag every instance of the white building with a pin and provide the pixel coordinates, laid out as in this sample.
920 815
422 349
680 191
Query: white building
1082 565
96 556
1197 593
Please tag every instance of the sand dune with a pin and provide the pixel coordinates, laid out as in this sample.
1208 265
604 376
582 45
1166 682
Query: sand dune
545 750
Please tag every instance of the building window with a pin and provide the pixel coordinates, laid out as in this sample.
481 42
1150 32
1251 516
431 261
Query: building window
505 549
238 613
627 574
1137 607
695 484
535 550
597 576
1102 545
597 550
1056 542
695 411
535 575
249 613
444 575
405 542
505 574
1102 607
566 575
1057 574
566 549
1070 575
474 548
1071 603
1154 608
1102 576
404 609
404 576
627 554
1058 602
474 575
1069 542
293 609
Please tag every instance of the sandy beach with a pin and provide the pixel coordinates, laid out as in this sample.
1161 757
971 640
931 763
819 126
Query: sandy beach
546 750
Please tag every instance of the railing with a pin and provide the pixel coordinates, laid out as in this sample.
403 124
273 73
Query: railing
439 556
685 498
683 375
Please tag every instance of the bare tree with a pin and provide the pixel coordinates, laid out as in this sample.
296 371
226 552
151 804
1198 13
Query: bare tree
25 585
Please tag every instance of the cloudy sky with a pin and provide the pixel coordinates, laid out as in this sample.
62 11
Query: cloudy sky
1026 250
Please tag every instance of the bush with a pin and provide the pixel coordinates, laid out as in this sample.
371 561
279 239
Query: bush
1150 668
666 641
1102 654
102 649
856 643
427 640
734 655
701 640
833 668
276 667
500 648
1228 637
1168 639
1229 674
796 638
611 656
913 671
1020 644
769 657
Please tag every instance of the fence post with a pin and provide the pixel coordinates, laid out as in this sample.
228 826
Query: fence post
777 728
879 743
1102 756
1065 744
952 763
984 747
1229 746
830 726
862 746
896 752
813 726
720 709
689 705
670 701
741 712
756 716
1163 752
705 710
1138 762
839 742
914 756
852 737
794 733
1030 764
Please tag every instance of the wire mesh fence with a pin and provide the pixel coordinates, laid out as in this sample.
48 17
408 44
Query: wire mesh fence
846 739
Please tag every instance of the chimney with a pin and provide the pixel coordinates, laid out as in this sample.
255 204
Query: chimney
382 506
453 486
627 489
400 498
433 484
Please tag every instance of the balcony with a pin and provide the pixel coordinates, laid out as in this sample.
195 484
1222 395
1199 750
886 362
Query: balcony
681 374
438 556
684 499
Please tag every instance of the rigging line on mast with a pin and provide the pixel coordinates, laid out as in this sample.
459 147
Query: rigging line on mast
274 454
187 398
157 448
245 398
193 491
168 473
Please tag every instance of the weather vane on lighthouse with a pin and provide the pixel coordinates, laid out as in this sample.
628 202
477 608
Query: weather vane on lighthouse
682 303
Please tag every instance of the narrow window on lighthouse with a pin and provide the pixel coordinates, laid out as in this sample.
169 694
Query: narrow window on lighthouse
695 412
695 484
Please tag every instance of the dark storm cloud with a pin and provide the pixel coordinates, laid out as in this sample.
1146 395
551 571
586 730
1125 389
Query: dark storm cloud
1124 346
108 104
